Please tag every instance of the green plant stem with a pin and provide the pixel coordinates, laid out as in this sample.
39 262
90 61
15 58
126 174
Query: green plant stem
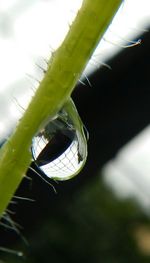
65 68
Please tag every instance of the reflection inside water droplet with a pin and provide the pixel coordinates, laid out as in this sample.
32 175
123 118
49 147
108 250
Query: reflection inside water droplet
60 149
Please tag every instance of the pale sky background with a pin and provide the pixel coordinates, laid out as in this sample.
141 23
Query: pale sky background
29 31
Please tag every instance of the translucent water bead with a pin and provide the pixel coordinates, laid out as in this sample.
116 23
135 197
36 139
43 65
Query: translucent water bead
60 148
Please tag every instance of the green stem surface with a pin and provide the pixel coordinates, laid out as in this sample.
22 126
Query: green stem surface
65 68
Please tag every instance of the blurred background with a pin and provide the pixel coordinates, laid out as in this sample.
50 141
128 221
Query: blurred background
103 214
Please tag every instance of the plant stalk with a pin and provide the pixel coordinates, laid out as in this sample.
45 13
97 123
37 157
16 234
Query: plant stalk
65 68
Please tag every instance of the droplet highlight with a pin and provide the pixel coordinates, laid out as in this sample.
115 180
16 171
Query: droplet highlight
60 148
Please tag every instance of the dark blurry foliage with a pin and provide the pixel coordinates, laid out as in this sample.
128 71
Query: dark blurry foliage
93 226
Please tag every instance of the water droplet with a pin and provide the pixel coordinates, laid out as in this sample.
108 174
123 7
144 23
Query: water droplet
60 148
